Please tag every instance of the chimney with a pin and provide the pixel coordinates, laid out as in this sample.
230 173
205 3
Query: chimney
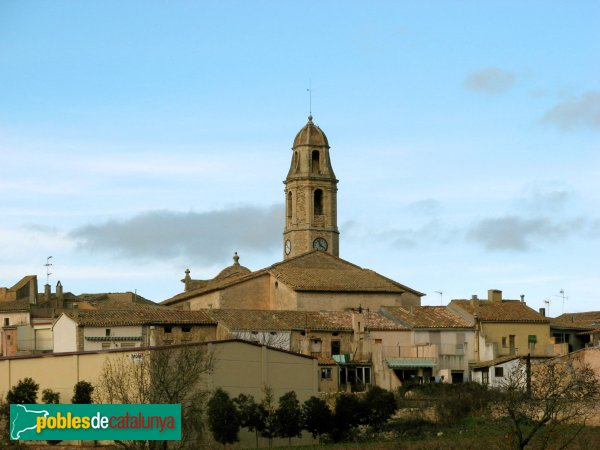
474 300
522 298
59 296
543 312
47 293
494 295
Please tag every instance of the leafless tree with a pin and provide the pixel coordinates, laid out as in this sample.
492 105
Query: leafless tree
165 375
548 404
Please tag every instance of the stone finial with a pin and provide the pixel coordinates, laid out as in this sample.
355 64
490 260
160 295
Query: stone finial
187 279
310 118
236 259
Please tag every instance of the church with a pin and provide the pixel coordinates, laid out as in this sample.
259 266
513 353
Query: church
312 276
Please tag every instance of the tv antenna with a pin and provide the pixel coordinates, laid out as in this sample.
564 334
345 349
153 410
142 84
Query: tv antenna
561 293
48 265
441 297
309 90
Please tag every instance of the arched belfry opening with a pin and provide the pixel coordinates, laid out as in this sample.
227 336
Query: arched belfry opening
289 206
318 203
315 162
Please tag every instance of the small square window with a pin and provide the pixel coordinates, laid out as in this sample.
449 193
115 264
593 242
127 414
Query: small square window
107 332
186 329
498 372
326 373
168 329
6 321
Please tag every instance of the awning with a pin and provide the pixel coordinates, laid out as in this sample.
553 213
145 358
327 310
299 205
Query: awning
407 363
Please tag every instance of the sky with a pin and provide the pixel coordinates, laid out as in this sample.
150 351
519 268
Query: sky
141 138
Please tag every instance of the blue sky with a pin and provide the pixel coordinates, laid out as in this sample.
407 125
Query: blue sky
140 138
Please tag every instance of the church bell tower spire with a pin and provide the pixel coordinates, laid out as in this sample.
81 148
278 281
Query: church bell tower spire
310 196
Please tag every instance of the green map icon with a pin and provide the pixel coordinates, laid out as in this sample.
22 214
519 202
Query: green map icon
23 419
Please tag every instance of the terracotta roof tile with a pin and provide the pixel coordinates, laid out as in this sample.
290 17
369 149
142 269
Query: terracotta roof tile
312 271
502 311
15 305
426 317
588 319
139 317
265 320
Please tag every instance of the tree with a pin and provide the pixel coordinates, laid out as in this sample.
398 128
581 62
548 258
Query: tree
316 417
550 403
223 419
347 415
82 393
267 406
288 417
25 392
166 375
378 406
250 413
50 397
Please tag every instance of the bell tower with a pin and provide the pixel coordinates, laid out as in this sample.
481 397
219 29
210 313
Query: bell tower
310 196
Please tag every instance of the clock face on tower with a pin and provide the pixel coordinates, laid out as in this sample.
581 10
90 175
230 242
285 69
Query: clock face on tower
288 247
320 244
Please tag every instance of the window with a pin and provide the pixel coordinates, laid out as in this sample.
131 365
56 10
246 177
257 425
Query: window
314 167
289 205
504 342
105 345
511 343
168 329
336 347
378 341
485 376
127 344
326 373
363 375
532 339
186 329
107 332
6 321
318 203
498 372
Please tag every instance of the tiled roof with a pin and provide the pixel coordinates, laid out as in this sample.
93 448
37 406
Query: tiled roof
426 317
139 317
15 305
590 319
493 362
313 271
501 311
265 320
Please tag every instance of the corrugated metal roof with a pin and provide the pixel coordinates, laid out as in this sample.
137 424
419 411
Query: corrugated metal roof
400 363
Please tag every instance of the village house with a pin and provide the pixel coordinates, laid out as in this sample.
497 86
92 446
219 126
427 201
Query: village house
574 329
110 329
440 347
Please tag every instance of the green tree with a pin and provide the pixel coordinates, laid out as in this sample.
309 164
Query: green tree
316 417
288 416
223 418
50 397
347 415
82 393
378 406
250 413
25 392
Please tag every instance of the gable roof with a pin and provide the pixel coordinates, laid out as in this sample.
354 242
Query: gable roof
139 317
426 317
585 320
498 311
265 320
15 306
314 271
